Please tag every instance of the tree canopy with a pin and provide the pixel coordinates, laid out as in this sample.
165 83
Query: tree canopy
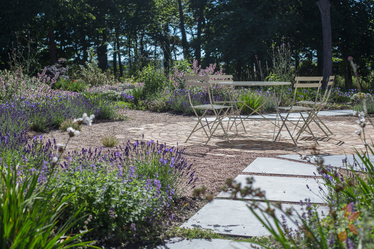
234 33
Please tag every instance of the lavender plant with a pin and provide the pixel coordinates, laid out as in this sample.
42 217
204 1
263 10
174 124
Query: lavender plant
154 160
126 190
19 116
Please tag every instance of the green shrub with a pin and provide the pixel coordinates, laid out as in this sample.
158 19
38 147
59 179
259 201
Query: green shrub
112 95
107 107
122 104
92 75
157 105
70 85
159 102
138 94
107 112
251 100
40 123
153 80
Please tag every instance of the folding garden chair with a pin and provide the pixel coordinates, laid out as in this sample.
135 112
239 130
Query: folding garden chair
220 82
219 111
318 106
300 83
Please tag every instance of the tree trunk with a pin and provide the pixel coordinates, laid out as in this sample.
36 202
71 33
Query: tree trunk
52 46
166 49
129 51
136 51
199 30
120 64
239 69
319 61
102 51
347 68
324 7
115 60
119 55
183 31
85 53
102 57
142 52
348 74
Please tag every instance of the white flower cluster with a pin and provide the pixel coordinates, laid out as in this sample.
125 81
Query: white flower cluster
85 119
311 159
360 121
72 132
60 147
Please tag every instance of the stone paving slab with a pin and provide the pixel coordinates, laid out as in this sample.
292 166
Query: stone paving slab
178 243
287 189
282 167
232 217
336 160
258 138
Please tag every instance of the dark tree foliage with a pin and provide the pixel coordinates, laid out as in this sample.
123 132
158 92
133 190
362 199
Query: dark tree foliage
135 33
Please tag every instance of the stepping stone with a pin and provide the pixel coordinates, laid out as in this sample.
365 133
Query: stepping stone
282 167
233 217
179 243
335 160
288 189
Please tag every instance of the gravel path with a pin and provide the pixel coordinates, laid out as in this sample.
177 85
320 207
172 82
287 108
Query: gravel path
213 165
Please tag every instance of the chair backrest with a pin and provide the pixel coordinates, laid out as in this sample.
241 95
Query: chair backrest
328 90
307 82
214 79
196 80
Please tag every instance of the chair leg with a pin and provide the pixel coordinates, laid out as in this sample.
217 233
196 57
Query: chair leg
306 123
202 126
284 124
237 113
312 117
320 121
307 126
219 123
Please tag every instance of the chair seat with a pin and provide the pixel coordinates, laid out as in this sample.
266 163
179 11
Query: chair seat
210 106
226 102
309 103
296 108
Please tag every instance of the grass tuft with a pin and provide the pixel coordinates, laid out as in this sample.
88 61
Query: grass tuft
69 123
110 141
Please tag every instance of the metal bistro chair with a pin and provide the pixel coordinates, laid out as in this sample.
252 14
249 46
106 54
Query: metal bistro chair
318 106
219 111
226 81
300 82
